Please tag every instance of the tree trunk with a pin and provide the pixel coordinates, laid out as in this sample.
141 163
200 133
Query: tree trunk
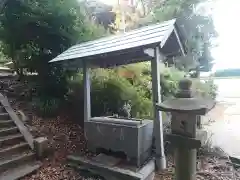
17 67
143 7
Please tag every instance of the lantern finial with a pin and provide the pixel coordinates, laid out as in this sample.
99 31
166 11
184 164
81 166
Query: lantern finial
184 89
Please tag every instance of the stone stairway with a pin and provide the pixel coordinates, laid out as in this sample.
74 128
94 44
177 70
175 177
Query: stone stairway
17 157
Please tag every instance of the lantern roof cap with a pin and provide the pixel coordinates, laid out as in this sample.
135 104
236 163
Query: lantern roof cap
198 106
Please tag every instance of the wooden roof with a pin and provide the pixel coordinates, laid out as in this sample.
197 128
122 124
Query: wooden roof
124 48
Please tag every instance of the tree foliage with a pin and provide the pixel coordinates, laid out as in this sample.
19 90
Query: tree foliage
34 32
194 22
3 58
197 28
99 12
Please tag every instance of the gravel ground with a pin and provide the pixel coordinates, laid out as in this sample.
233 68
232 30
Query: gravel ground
209 167
65 137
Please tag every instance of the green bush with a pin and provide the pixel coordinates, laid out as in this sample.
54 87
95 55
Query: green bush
204 88
170 78
46 107
109 93
212 88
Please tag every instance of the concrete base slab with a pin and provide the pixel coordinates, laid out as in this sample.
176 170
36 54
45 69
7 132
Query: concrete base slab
110 168
21 171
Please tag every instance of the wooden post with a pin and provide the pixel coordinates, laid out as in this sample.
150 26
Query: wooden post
158 126
87 91
185 160
179 42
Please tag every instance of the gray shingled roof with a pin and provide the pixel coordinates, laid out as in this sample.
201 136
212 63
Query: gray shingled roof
128 45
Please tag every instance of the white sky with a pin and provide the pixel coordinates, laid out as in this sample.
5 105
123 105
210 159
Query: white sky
227 24
225 16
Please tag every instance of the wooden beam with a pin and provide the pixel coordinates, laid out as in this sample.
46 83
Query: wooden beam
87 91
158 126
179 42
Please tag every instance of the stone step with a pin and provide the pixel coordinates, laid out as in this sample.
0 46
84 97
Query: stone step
11 150
8 131
11 140
2 109
20 171
4 116
14 161
16 157
7 123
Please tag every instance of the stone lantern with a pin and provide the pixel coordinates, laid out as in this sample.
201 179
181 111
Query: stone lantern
185 110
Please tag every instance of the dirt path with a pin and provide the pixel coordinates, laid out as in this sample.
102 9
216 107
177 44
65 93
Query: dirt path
225 131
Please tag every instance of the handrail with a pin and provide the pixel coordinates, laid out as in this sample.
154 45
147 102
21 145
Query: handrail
22 128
